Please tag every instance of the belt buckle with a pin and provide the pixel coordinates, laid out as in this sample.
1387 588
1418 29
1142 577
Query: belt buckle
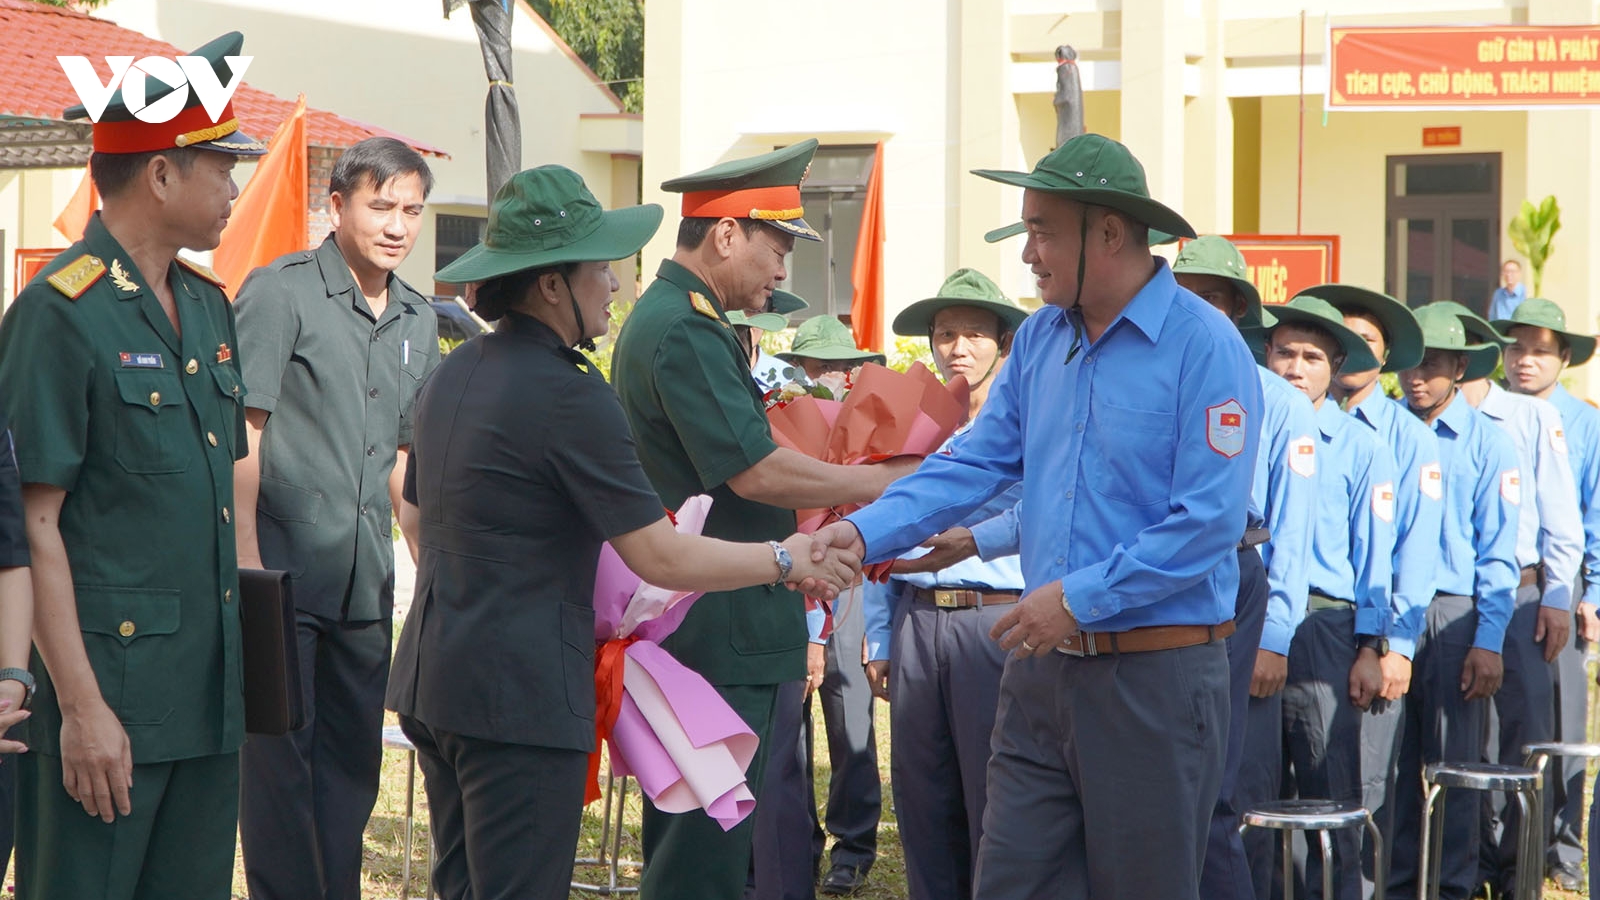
1079 645
945 599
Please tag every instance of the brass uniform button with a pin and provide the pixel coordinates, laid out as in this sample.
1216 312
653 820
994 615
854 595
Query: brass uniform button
155 398
227 596
211 436
226 517
192 367
125 629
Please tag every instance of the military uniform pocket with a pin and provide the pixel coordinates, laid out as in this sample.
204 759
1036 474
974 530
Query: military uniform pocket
232 391
151 427
577 658
129 635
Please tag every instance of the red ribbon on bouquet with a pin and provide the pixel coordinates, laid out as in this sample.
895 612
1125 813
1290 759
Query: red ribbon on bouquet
608 670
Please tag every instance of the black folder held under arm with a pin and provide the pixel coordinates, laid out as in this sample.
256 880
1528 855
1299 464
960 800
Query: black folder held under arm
273 703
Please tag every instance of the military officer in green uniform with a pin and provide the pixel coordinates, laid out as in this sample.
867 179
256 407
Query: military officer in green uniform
117 367
686 387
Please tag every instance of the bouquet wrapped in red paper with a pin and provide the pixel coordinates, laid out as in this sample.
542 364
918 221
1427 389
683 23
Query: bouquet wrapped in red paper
665 725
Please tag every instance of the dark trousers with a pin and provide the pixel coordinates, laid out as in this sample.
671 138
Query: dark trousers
944 686
305 797
787 841
1104 775
177 843
1522 712
1226 875
855 790
1261 774
687 856
1566 774
504 817
1336 751
8 800
1440 726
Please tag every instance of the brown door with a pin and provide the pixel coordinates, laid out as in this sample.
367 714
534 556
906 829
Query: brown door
1443 228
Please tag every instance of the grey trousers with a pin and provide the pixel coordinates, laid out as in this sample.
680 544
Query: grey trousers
855 790
1103 775
1336 751
1566 774
1522 712
945 685
784 853
1440 726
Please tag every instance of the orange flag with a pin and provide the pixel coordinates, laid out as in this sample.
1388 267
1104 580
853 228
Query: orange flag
866 270
269 218
75 215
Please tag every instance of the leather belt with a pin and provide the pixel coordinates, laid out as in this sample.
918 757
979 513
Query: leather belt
965 598
1254 537
1143 640
1531 575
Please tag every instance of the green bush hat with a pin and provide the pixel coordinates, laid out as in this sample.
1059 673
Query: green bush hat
1443 329
1477 326
546 216
120 131
780 306
964 287
765 188
1213 254
1093 169
1542 313
1401 333
824 337
1313 312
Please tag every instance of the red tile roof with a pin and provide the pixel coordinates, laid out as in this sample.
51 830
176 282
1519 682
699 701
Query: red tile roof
32 85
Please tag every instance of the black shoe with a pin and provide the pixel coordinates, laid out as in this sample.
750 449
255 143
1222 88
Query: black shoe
1567 877
842 880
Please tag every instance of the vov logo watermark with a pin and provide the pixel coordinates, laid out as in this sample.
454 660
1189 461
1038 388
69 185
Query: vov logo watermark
186 73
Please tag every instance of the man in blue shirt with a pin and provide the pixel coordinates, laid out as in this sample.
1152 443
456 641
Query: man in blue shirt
1339 732
1129 413
1458 663
1511 292
1540 351
932 620
1271 599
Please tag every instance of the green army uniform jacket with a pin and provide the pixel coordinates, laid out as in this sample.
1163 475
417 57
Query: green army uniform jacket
141 429
339 384
699 420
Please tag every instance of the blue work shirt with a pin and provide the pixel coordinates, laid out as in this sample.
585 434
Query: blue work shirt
771 373
1135 451
1551 527
1418 513
1581 434
1478 536
1352 541
1506 302
1282 499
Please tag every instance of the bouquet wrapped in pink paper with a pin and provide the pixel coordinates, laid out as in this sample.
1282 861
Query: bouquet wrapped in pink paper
665 725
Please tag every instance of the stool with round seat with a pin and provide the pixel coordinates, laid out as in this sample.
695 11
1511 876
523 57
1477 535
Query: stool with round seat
1321 816
1537 756
1524 783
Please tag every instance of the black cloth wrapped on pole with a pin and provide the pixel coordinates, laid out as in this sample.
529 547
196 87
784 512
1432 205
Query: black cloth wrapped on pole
502 122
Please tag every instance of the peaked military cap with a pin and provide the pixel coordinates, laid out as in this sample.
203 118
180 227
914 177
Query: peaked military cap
1401 333
547 216
1541 313
964 287
1313 312
824 337
1093 169
780 306
119 131
1215 255
765 187
1443 329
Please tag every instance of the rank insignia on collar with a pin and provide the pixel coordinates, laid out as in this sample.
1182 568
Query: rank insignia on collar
223 353
119 277
703 306
77 276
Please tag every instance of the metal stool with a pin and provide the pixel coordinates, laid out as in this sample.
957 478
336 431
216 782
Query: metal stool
395 739
1525 783
1537 756
610 842
1321 816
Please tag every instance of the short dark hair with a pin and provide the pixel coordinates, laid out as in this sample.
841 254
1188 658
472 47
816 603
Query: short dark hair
503 292
378 159
113 172
692 231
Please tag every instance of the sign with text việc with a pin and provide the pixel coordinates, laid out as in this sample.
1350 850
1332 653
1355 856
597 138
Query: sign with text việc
1464 67
1282 265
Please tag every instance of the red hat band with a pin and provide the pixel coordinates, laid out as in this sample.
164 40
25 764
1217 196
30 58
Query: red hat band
189 127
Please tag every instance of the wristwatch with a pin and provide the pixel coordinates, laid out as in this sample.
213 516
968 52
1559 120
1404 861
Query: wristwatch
23 677
1374 642
780 554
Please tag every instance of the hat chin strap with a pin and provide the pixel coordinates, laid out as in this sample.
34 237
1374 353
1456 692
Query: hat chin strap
584 343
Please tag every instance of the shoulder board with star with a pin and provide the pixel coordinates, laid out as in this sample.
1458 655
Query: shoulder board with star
205 273
77 276
703 307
